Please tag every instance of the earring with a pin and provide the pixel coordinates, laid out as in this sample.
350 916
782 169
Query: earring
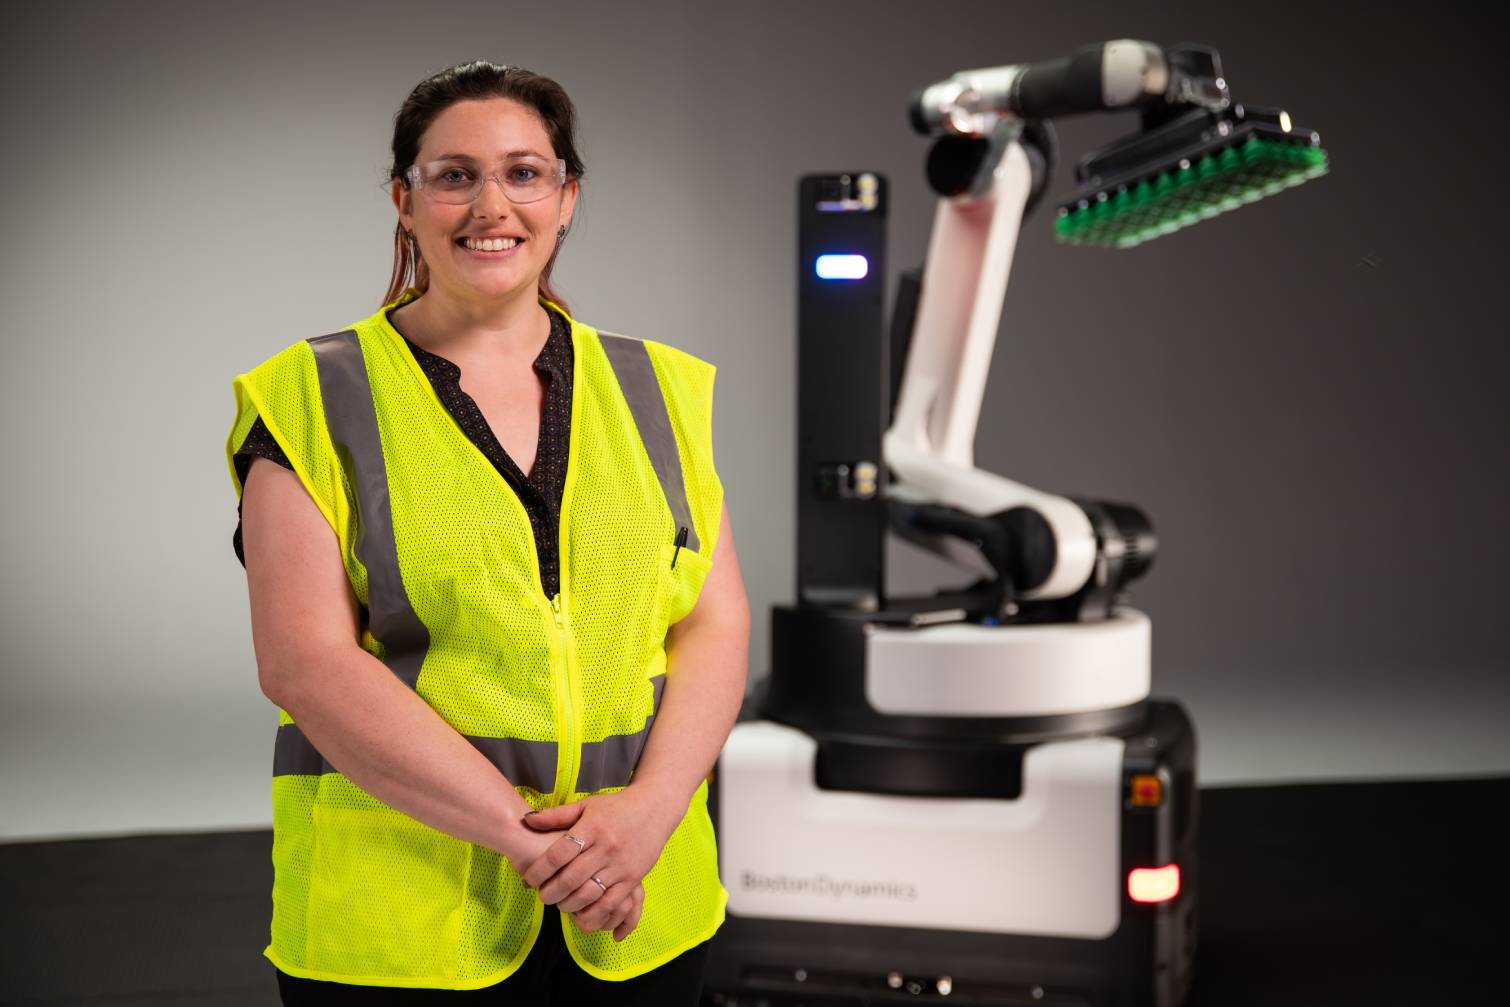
561 233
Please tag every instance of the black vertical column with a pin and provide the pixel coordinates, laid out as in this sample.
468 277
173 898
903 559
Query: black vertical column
842 389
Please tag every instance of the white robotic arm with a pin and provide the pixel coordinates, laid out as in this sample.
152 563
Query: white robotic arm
930 445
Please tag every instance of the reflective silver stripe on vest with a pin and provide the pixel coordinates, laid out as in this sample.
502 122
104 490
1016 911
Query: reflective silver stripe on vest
647 404
351 418
293 755
523 763
607 763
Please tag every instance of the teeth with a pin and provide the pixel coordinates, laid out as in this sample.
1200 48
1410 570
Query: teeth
490 244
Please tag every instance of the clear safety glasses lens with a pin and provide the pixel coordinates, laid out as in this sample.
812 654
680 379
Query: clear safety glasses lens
522 179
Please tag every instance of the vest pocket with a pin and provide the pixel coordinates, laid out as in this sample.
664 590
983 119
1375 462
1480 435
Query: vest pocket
681 585
385 895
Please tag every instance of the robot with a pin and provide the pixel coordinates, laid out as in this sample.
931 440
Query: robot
971 795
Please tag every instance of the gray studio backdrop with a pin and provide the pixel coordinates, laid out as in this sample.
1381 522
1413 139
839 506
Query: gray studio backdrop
1305 394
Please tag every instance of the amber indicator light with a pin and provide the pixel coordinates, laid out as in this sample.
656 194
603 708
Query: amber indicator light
1147 791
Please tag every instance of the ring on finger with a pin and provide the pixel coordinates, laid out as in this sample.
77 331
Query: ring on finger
599 882
578 840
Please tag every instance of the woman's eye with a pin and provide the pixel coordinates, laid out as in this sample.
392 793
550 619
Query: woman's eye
523 173
452 176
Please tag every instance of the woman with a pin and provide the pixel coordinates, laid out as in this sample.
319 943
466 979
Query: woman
487 553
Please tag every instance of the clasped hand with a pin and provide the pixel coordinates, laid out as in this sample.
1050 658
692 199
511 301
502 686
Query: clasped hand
594 869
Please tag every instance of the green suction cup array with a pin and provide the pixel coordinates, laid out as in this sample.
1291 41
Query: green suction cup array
1242 167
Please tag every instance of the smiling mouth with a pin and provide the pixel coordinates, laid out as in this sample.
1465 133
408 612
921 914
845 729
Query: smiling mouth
489 244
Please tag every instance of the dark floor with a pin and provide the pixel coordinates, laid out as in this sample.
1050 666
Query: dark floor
1369 894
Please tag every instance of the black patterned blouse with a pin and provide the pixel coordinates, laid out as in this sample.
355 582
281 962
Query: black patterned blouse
540 492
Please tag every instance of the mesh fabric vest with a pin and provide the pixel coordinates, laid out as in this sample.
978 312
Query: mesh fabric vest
559 693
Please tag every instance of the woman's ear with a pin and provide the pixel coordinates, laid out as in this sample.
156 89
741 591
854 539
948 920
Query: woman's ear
402 200
569 193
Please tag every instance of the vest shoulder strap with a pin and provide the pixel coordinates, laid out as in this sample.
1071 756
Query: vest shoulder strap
351 417
632 366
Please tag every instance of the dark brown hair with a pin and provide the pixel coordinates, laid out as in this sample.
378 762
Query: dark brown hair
463 82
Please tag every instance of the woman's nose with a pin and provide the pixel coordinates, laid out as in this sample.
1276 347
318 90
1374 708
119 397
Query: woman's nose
492 198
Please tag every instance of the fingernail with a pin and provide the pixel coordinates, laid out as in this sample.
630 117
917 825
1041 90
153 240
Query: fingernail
530 814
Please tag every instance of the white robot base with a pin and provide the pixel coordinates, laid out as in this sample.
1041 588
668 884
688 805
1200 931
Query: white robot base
1047 863
1074 884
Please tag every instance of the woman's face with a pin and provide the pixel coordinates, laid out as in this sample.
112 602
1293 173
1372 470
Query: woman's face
485 131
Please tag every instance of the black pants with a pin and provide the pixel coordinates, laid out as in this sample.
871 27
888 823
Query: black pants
548 976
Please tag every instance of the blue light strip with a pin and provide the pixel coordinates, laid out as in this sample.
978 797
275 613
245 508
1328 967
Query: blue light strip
842 267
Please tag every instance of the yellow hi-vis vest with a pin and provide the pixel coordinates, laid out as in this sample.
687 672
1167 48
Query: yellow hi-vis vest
558 692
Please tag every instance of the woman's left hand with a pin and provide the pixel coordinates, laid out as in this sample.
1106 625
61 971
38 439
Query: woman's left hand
622 835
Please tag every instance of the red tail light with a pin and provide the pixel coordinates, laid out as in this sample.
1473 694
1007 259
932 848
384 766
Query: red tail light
1154 884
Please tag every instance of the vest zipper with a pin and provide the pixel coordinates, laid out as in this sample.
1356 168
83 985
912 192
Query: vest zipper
568 746
569 742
